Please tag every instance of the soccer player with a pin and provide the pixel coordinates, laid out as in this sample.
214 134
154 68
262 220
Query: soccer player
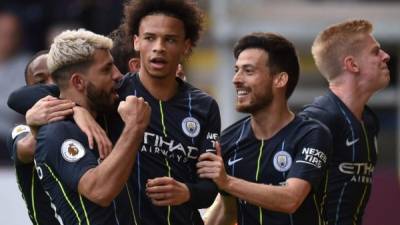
184 122
352 61
126 58
80 187
19 146
273 161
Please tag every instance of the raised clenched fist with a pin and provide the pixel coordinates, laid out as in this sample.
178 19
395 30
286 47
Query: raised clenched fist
135 111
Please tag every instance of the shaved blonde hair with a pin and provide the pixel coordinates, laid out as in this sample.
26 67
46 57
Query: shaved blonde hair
336 42
74 47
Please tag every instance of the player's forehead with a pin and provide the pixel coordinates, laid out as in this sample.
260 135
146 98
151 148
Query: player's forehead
161 24
39 63
102 57
252 56
371 42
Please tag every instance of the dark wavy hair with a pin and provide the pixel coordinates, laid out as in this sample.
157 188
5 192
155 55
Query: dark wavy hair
122 50
282 55
186 11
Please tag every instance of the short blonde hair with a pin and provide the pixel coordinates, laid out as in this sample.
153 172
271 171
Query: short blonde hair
336 42
75 46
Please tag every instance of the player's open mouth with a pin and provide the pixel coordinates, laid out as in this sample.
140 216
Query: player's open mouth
158 62
241 92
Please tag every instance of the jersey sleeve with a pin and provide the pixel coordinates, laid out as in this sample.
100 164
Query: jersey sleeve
17 133
212 128
311 158
203 192
21 100
66 152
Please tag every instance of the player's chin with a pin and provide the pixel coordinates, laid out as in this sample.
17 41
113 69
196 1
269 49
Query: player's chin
243 108
385 80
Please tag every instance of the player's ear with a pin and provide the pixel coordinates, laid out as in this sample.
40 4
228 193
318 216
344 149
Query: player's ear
280 79
350 64
77 81
134 65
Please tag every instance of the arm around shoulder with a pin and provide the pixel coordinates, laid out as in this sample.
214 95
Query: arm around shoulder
22 99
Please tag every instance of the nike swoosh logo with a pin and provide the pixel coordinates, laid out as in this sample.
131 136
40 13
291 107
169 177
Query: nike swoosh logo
231 162
350 143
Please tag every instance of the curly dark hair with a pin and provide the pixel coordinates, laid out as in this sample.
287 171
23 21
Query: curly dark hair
185 10
281 52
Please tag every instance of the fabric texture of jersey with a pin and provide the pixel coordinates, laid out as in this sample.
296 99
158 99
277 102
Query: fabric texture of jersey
179 131
299 150
353 160
61 158
37 202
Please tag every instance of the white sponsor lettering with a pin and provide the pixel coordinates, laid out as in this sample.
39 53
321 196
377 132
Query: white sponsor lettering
362 172
313 157
157 144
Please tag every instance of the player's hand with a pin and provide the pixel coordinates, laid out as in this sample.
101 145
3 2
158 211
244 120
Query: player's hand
48 109
164 191
93 131
211 166
135 112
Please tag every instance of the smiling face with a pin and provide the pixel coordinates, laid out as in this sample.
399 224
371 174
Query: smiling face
162 45
253 81
372 62
102 77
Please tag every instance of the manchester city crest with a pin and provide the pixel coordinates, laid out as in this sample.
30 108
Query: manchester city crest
191 126
282 161
72 150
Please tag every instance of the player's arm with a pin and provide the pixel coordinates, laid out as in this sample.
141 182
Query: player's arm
285 198
17 140
278 198
25 148
21 100
204 190
222 212
103 183
47 109
93 131
40 108
165 191
303 177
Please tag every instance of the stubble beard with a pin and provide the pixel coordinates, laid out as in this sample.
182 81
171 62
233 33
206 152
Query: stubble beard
99 100
257 105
